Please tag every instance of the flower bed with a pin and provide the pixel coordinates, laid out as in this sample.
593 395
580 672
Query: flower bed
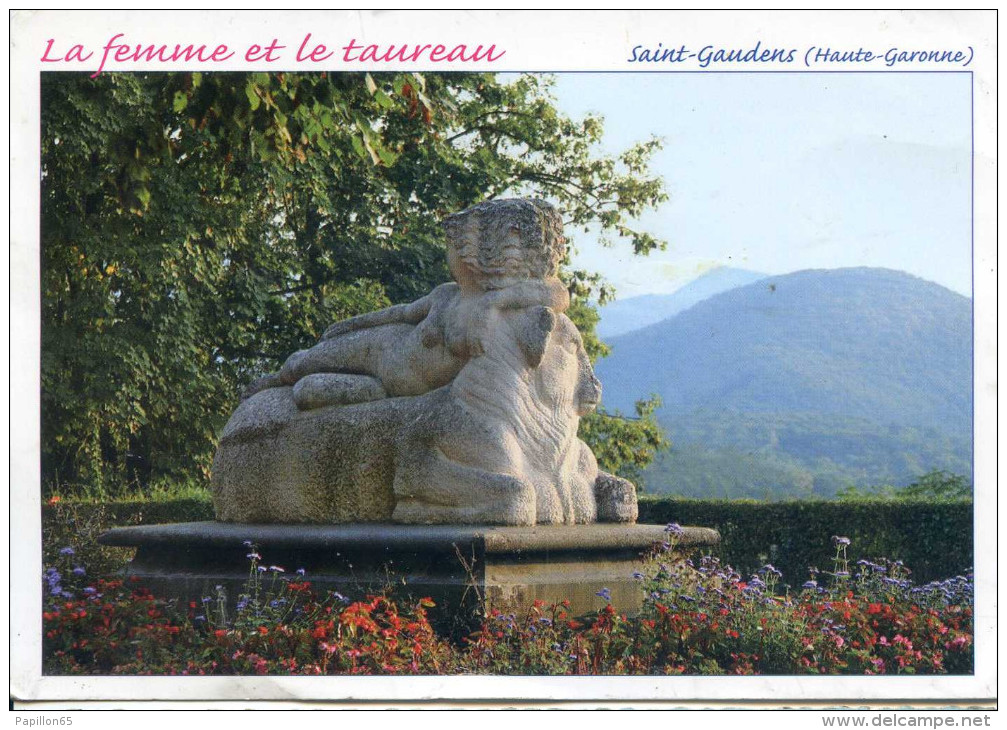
701 618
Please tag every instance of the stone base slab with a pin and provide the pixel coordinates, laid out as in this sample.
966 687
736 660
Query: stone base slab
467 570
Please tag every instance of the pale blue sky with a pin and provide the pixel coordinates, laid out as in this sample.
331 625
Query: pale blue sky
782 172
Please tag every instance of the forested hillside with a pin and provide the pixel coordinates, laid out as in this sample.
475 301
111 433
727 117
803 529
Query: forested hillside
803 383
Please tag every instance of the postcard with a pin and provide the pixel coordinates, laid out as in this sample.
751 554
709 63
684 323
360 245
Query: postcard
600 357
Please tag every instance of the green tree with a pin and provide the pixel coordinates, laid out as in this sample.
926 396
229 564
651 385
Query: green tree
197 228
936 485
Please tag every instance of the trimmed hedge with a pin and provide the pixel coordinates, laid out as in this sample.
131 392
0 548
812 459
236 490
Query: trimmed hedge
131 512
933 538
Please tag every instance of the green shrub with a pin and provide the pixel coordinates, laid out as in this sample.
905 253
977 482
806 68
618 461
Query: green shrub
932 537
118 513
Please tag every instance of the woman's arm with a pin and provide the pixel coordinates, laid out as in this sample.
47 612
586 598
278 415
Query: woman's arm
411 313
550 293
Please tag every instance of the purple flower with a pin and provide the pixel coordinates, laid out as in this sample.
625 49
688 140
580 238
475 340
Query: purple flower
604 593
90 591
810 584
254 556
67 551
79 571
340 597
674 528
247 543
277 569
300 571
637 575
837 540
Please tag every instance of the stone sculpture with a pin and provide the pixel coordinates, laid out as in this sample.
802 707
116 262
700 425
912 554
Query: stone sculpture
459 408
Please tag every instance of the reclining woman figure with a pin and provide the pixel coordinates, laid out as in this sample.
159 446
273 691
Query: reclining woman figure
502 254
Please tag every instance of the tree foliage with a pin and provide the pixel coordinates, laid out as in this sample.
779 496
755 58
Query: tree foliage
936 485
197 228
625 445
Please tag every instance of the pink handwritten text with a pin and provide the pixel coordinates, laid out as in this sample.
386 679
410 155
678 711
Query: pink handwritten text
118 51
258 53
405 52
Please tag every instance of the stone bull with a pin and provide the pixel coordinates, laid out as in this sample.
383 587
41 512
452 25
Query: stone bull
498 445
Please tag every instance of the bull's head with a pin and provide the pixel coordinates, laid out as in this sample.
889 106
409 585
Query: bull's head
567 375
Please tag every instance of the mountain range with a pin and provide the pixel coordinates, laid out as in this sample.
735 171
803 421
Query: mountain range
626 315
801 384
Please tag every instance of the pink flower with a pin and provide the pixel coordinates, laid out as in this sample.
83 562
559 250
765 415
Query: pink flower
959 642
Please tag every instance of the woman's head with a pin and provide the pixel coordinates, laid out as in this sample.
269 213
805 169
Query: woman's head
501 242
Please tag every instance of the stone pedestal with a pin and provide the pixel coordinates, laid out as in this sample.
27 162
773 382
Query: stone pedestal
465 569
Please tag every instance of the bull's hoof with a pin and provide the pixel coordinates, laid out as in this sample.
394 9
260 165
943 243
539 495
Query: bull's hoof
615 498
